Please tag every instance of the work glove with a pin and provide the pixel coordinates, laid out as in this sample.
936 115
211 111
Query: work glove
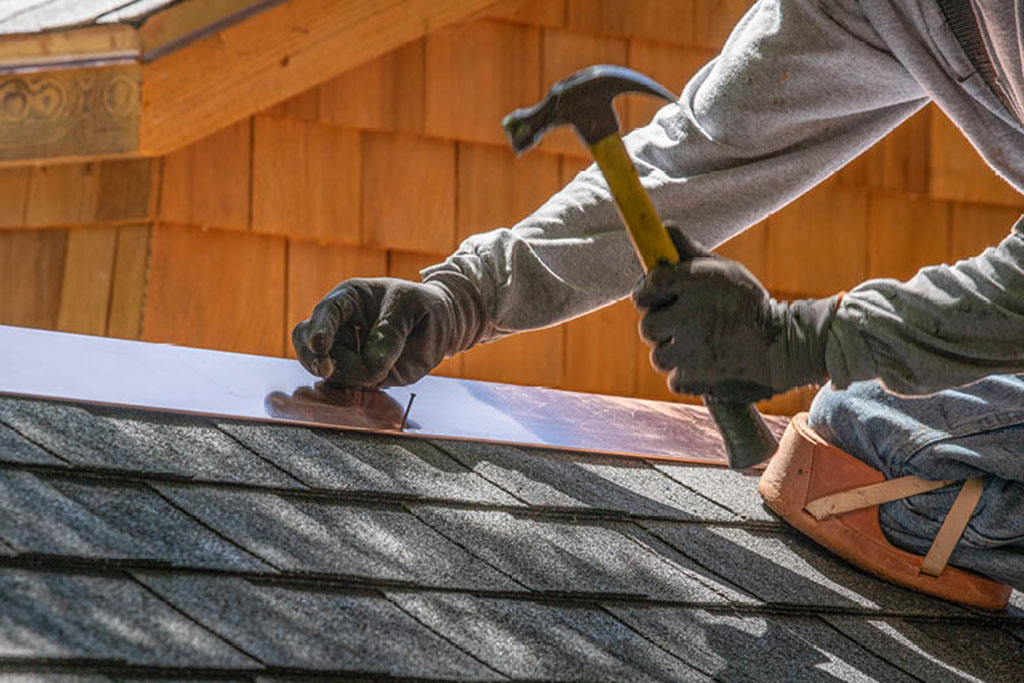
713 327
381 332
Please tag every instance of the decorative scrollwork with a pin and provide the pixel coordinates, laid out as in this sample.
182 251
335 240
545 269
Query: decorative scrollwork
22 100
67 113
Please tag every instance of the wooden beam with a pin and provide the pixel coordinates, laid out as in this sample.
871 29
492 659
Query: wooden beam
93 44
186 21
84 93
70 113
272 56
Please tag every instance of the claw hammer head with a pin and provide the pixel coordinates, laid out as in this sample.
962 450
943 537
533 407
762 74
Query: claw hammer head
582 100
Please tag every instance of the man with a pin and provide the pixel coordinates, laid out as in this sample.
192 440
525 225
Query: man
800 89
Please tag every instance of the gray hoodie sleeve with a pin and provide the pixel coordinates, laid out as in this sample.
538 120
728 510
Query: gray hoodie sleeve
945 327
800 88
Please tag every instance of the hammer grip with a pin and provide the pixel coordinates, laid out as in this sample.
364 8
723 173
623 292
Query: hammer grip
747 438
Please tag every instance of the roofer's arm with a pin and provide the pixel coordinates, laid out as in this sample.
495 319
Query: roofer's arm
945 327
795 95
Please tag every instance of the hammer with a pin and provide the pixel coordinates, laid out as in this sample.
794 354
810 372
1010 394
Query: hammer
584 101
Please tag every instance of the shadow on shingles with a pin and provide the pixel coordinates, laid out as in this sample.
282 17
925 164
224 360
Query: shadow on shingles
729 647
789 569
782 569
806 579
546 479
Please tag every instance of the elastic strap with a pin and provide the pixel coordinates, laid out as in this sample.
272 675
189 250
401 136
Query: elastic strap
871 494
952 527
903 487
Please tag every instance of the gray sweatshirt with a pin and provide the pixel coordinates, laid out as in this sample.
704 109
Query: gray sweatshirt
800 89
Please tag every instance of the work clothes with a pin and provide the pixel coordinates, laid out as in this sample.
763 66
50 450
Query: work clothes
383 332
716 331
971 431
799 90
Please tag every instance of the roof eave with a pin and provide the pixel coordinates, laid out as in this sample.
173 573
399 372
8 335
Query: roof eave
119 90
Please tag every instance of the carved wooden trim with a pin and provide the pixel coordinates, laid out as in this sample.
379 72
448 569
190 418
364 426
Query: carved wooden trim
72 113
58 104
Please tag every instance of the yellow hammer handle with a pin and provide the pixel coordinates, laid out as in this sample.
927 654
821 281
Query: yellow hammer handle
650 238
747 438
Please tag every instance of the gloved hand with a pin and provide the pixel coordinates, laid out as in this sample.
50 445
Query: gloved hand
716 330
380 332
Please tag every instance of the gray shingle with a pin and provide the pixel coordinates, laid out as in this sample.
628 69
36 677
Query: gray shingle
21 16
788 568
310 536
565 480
733 490
327 631
48 615
757 648
353 462
566 557
15 448
544 642
60 517
55 678
132 11
148 442
939 650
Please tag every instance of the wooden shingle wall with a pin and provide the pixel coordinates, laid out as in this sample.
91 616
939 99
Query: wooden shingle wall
229 242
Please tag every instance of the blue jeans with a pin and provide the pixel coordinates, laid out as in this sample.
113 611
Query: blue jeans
976 430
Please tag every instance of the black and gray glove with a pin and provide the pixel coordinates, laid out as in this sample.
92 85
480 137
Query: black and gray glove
715 329
381 332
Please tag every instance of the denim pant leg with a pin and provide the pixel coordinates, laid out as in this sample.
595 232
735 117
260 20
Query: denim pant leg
971 431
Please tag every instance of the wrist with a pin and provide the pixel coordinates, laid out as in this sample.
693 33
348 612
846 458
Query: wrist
797 354
462 309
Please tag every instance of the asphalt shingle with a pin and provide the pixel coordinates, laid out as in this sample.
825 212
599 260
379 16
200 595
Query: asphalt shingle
361 632
544 478
776 649
56 678
545 642
381 542
939 650
147 442
489 562
15 448
552 555
108 522
787 568
60 616
351 462
733 490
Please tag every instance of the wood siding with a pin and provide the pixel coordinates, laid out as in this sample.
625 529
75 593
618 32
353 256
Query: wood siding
228 242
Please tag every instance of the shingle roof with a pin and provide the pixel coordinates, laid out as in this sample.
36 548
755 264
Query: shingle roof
29 16
136 545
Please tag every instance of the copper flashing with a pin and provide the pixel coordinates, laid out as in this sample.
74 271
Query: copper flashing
113 372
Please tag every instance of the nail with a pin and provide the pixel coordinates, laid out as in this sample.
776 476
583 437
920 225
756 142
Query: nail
405 416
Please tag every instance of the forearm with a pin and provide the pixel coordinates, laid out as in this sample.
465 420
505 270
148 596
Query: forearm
794 96
946 327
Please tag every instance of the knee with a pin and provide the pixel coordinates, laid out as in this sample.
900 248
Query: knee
831 407
849 418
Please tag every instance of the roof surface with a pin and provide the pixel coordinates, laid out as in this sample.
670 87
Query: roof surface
138 545
29 16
